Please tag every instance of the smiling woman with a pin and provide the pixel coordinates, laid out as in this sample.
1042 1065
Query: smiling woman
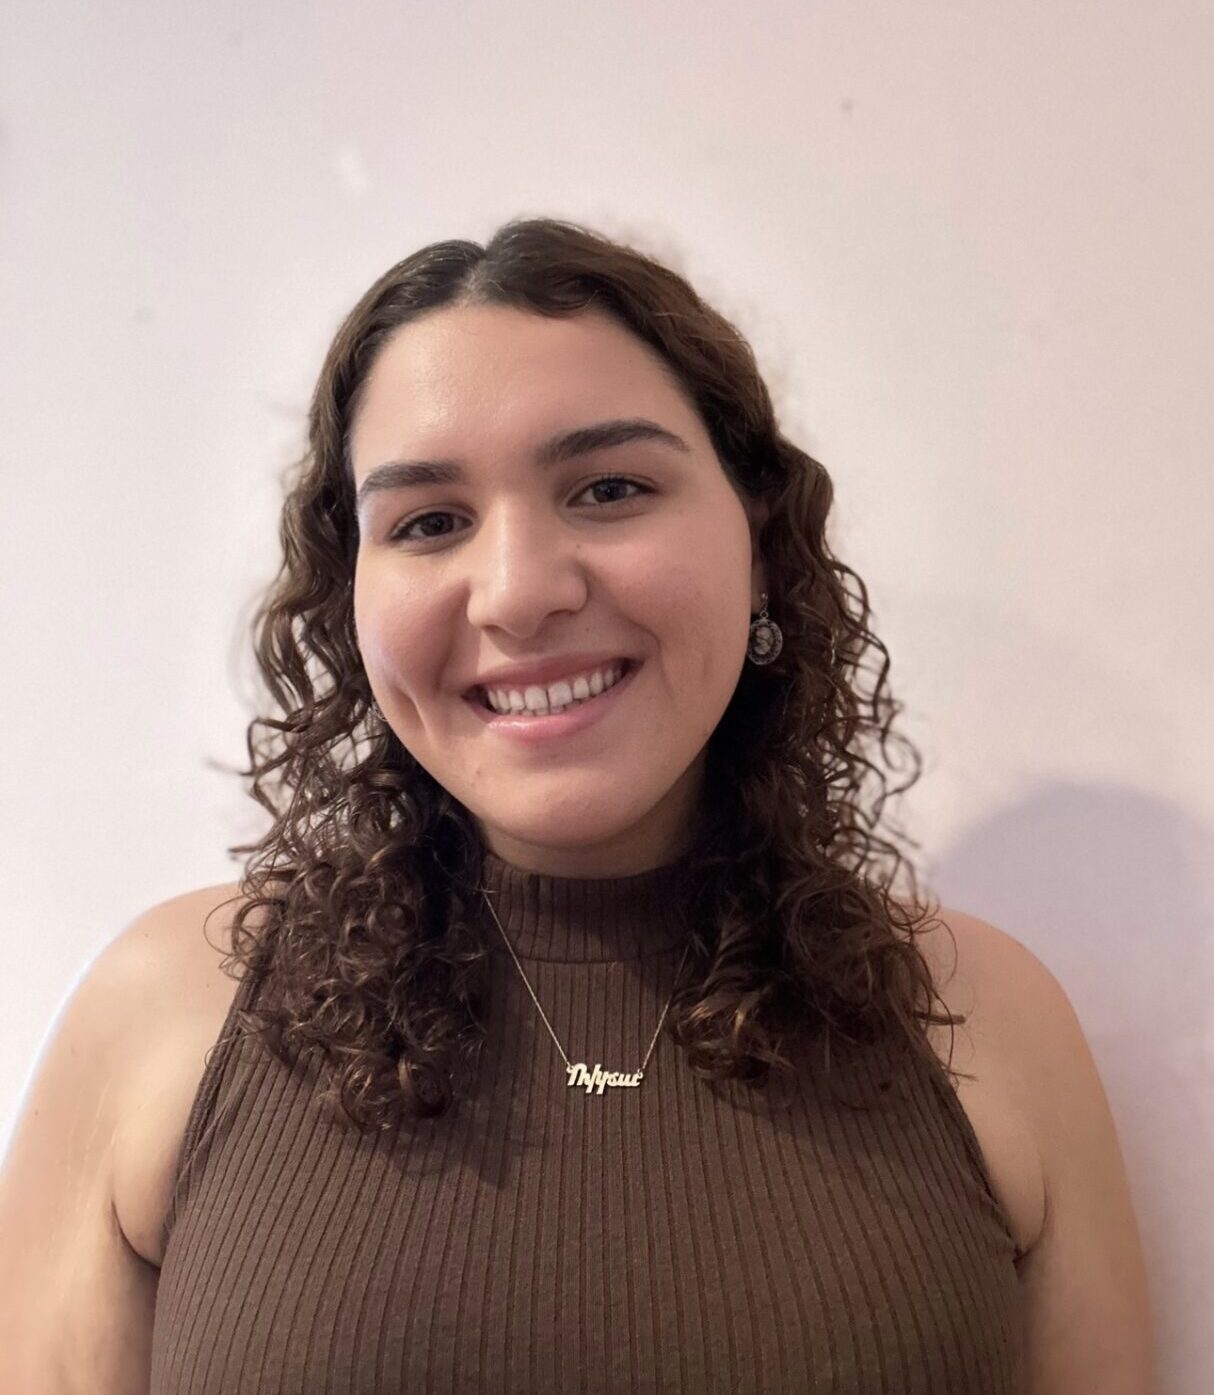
573 743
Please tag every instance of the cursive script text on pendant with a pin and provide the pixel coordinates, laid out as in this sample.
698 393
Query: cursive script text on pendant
581 1074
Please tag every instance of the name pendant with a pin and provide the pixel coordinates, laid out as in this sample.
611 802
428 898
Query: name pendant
582 1075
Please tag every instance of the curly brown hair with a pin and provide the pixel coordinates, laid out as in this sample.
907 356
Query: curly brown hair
357 909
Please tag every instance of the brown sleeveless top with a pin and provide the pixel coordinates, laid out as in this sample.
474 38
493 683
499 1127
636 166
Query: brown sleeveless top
674 1236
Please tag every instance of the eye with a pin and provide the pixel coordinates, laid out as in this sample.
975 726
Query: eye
399 533
403 531
615 480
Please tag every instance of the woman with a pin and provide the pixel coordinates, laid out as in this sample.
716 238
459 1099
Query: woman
581 1042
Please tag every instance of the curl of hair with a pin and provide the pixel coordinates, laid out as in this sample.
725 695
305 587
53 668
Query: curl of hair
354 919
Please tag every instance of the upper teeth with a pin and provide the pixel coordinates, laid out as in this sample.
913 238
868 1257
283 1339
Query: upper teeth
555 695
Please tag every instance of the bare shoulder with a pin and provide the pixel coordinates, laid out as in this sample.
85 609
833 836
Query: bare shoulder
164 967
155 940
990 977
174 953
1084 1273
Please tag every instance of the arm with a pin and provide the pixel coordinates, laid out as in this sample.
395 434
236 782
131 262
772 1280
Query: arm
76 1302
1085 1282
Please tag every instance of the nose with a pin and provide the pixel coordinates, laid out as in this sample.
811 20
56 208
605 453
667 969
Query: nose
524 565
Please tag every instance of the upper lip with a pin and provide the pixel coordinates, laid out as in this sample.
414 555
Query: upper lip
546 671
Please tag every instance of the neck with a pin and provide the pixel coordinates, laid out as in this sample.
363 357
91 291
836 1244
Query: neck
594 863
666 834
582 919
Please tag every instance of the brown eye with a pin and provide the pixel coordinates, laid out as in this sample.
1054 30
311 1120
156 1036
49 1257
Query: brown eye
615 480
402 529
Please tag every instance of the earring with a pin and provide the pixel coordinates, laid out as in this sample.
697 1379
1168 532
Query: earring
766 638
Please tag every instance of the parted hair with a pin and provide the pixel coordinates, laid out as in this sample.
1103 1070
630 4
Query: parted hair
357 914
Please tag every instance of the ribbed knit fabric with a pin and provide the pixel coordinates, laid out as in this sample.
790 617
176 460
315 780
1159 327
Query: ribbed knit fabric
673 1236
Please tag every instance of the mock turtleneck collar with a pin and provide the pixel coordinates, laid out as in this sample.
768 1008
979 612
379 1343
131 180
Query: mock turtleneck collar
585 919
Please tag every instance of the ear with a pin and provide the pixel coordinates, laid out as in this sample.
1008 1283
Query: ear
758 511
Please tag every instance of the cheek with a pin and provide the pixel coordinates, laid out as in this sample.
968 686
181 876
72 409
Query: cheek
397 639
698 615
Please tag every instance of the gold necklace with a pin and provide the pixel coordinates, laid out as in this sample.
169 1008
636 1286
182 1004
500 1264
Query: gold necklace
579 1073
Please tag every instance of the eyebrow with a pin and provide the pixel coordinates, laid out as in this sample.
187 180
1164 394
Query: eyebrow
404 474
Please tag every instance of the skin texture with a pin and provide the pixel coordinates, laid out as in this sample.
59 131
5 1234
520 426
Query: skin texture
526 562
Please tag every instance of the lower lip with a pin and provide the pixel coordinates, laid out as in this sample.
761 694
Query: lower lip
538 731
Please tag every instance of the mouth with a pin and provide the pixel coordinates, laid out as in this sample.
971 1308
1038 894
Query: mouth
537 732
479 697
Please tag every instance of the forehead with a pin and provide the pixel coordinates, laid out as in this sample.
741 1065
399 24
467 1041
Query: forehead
467 376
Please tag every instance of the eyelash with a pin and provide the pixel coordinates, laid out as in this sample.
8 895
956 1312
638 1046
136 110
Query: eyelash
397 534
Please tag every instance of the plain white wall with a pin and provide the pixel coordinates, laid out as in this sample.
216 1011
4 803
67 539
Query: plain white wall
970 244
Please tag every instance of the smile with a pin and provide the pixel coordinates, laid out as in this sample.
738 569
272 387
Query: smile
531 728
544 700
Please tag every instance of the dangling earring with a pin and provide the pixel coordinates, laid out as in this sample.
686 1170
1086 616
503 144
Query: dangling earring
766 638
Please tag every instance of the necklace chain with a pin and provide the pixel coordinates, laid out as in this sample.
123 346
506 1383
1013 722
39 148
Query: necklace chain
578 1073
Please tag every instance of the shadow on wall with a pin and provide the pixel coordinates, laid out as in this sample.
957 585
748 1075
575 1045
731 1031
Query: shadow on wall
1110 888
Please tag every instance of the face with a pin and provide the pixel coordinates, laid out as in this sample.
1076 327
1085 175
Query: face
525 561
